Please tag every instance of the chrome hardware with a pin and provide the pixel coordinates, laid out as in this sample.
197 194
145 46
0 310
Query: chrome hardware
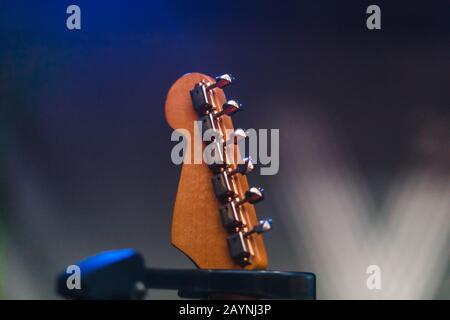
238 249
221 81
200 99
229 108
222 187
229 215
243 168
208 125
252 195
217 161
263 226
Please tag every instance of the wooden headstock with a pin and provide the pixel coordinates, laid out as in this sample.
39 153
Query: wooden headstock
198 228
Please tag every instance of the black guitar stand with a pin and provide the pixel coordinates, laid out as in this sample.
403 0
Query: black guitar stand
121 274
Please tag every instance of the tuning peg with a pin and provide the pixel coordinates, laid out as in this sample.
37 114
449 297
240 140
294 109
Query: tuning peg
263 226
243 168
221 81
236 136
229 108
252 195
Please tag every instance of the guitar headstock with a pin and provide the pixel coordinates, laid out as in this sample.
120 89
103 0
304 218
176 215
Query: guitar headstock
214 219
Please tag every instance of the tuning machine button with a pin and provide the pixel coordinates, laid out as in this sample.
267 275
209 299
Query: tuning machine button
229 108
243 168
237 136
263 226
252 195
221 81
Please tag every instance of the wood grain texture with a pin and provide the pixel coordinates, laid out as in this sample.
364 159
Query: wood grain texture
196 227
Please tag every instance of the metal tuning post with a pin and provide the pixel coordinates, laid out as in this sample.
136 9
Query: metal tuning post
229 108
217 164
243 168
222 187
252 195
238 249
221 81
209 125
238 245
263 226
229 215
200 99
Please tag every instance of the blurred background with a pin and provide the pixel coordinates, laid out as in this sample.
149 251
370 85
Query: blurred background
363 117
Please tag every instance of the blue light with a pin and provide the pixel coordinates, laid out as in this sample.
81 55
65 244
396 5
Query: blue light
105 258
